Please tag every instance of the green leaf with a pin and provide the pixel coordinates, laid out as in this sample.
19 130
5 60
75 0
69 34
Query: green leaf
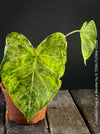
32 76
88 34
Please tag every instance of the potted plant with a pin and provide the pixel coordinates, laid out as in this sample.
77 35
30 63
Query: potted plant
31 76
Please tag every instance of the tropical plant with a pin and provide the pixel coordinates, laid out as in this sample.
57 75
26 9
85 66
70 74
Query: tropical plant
32 75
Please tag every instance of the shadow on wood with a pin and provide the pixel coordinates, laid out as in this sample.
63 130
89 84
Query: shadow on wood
2 113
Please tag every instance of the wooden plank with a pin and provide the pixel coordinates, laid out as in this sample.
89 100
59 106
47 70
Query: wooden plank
64 117
2 110
89 105
1 124
39 128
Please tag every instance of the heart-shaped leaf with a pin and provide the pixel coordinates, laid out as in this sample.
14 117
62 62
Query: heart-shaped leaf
32 76
88 34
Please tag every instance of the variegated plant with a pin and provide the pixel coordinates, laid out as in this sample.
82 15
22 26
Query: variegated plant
32 76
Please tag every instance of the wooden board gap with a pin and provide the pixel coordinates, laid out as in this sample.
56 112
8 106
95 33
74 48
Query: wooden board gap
48 124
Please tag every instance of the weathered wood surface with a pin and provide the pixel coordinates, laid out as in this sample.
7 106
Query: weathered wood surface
89 105
64 117
39 128
2 111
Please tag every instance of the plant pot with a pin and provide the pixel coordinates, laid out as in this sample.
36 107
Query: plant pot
14 113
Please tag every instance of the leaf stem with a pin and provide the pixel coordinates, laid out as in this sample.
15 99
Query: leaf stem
72 33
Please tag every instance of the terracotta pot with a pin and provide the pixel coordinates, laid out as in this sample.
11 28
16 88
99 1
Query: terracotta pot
16 115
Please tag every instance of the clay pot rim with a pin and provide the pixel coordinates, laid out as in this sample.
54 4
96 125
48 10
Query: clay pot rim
2 86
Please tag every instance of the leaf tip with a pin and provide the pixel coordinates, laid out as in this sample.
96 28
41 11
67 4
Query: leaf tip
85 62
28 119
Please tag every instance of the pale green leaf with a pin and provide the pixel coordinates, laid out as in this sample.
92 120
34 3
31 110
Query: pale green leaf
88 34
32 76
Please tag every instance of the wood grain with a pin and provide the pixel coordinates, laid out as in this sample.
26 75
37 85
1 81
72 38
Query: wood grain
64 117
39 128
89 106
